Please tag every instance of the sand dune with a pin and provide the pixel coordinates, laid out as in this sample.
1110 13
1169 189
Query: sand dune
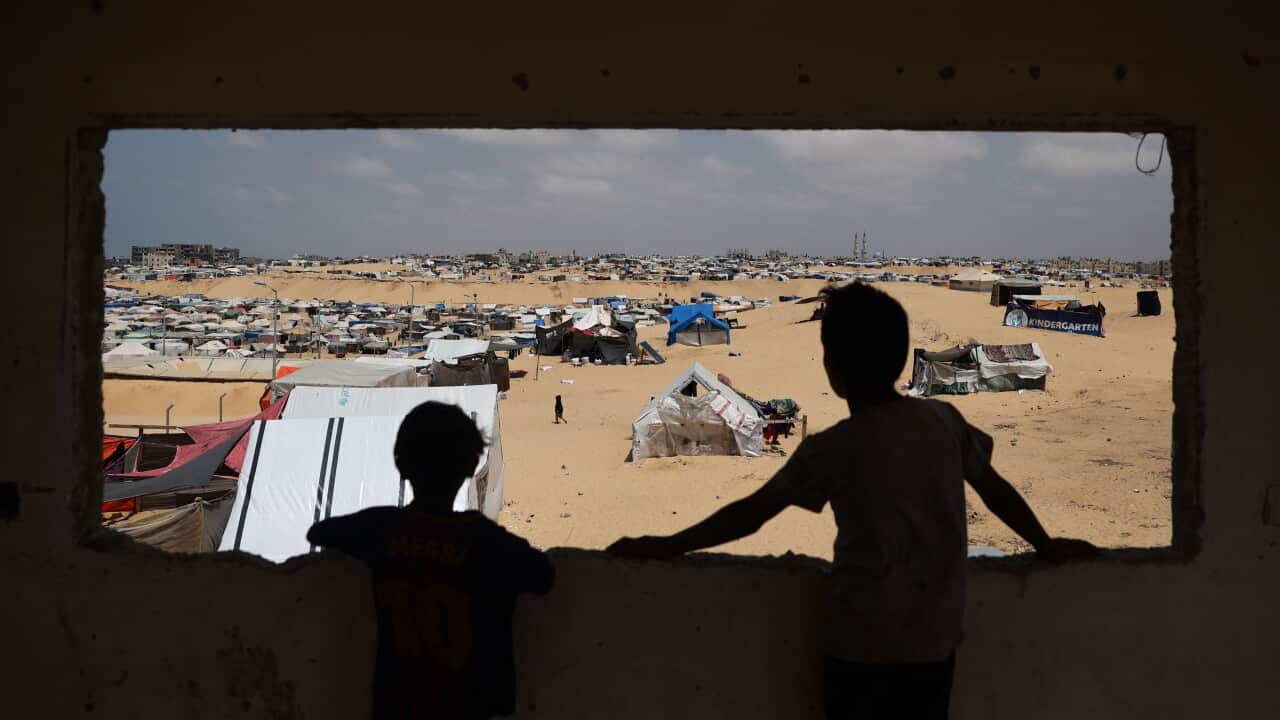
1091 454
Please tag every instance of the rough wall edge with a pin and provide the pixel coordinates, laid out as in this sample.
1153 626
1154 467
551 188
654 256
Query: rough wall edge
1188 371
638 119
84 266
80 360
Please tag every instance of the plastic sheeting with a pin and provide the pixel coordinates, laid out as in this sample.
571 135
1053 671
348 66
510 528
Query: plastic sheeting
441 350
307 469
977 368
718 421
338 373
696 325
480 402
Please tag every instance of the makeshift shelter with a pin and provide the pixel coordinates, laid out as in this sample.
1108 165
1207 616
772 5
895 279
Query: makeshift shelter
1062 313
973 280
550 340
129 349
696 325
1148 302
347 374
697 415
213 446
977 368
1002 292
196 527
331 454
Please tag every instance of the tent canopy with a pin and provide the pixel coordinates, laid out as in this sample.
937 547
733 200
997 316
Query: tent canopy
681 420
977 368
347 374
696 325
277 496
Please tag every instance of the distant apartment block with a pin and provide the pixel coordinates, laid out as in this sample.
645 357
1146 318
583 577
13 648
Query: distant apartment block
167 254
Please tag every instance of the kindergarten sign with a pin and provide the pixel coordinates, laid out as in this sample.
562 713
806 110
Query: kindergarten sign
1060 320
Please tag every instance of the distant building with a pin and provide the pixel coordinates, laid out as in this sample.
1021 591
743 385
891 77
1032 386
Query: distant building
183 254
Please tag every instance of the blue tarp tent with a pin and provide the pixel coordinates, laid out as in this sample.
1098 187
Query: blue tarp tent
696 325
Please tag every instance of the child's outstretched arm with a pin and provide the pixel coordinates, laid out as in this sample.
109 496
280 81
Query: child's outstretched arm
1002 499
736 520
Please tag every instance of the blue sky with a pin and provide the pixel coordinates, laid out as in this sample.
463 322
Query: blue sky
350 192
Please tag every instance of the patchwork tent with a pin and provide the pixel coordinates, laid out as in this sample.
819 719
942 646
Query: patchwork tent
697 415
696 325
977 368
595 335
331 454
1002 291
1062 313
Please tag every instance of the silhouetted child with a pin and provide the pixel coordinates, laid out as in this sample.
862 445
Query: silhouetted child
444 582
560 411
894 474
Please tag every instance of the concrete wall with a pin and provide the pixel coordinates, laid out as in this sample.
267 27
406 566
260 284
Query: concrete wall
93 631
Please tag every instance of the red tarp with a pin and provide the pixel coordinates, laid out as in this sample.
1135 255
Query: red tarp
208 437
112 445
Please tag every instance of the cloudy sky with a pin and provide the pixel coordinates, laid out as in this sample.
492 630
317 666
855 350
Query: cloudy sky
349 192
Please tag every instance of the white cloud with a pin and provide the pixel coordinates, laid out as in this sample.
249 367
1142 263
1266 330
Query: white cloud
365 167
900 151
723 169
403 188
1082 155
517 138
278 196
562 186
402 140
242 193
248 140
632 140
476 181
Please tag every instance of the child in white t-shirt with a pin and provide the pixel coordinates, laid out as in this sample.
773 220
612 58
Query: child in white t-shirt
894 473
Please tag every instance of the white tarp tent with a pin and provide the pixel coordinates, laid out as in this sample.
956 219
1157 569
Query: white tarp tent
338 373
716 421
129 350
331 454
449 349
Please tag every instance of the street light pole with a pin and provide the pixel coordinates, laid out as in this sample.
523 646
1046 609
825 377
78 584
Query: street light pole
275 326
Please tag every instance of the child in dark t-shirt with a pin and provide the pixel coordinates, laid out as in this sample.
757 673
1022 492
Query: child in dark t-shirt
894 474
444 582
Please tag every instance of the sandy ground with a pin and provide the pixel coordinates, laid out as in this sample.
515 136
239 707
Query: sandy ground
1091 454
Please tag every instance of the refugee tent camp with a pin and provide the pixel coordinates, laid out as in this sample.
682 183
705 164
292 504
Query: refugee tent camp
976 368
331 454
697 415
696 325
595 334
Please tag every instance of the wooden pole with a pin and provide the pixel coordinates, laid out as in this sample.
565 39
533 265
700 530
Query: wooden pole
804 427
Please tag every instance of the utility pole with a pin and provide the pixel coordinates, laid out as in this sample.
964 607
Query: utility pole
275 326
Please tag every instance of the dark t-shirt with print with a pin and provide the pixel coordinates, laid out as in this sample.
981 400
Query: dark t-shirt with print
445 588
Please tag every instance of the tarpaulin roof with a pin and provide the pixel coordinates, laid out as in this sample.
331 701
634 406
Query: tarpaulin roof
192 465
332 455
683 316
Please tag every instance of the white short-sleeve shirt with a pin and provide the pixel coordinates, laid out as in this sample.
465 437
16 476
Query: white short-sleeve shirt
894 475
